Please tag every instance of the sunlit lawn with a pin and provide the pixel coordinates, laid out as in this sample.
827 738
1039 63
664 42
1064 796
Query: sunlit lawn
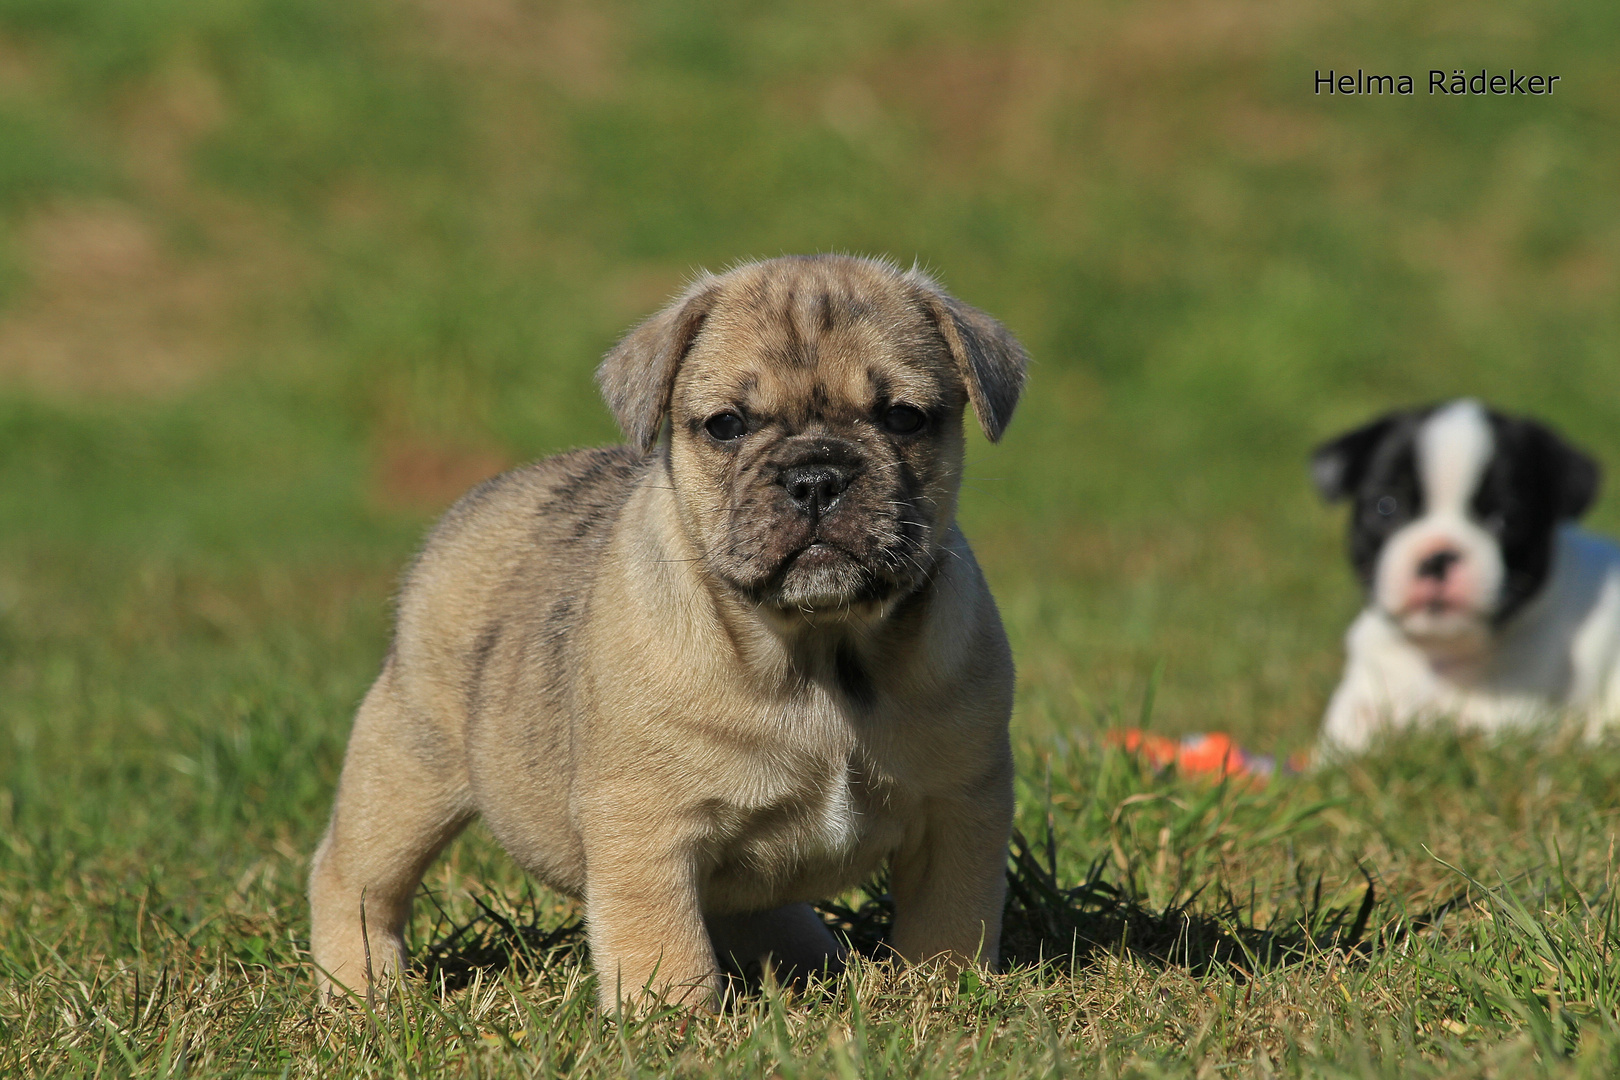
279 278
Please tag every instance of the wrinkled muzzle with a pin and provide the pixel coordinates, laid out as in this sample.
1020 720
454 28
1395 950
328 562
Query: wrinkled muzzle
822 523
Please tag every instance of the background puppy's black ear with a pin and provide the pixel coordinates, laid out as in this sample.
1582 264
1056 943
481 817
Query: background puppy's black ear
1571 472
1338 465
637 374
990 360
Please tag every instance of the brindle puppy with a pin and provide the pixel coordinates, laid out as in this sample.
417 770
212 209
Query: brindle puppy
703 679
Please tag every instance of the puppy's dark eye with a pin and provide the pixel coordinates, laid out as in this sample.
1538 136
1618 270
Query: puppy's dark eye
904 419
1387 506
726 426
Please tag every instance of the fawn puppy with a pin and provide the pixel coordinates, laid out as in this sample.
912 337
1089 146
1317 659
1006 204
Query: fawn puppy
730 668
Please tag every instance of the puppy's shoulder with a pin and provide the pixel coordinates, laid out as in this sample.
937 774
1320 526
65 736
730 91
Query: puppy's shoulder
535 528
551 496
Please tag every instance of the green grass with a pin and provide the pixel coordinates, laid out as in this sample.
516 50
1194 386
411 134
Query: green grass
277 277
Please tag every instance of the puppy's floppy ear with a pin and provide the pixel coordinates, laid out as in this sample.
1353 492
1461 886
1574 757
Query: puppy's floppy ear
990 360
1338 465
1571 473
637 374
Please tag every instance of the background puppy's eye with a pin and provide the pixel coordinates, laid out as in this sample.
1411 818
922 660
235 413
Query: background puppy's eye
726 426
904 419
1387 506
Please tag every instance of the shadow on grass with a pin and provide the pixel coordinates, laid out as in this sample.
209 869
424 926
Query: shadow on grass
494 941
1044 922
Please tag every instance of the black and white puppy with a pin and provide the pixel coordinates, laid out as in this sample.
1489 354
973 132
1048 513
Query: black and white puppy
1486 605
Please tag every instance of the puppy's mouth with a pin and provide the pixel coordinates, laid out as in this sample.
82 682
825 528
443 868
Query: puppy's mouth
1431 611
817 554
1434 606
821 575
1442 625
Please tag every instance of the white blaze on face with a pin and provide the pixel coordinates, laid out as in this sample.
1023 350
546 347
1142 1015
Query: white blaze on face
1454 448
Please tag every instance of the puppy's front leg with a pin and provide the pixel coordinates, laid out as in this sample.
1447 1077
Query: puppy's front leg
646 927
949 881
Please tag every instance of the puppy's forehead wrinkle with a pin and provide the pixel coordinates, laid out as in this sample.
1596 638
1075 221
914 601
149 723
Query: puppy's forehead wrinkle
825 317
812 359
796 312
802 396
1454 448
795 348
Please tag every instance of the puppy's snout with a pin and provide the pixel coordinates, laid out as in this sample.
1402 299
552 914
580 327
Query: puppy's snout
816 489
1436 566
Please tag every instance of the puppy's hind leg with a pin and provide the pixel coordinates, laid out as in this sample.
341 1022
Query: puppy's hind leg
402 797
792 939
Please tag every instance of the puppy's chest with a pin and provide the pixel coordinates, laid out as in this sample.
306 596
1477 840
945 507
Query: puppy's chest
813 823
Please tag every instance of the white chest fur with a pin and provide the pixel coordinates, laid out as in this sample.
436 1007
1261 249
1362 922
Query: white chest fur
820 816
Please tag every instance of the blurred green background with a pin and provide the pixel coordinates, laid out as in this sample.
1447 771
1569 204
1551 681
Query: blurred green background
280 278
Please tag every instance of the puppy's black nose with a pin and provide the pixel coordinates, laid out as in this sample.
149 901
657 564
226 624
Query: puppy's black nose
816 489
1436 565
